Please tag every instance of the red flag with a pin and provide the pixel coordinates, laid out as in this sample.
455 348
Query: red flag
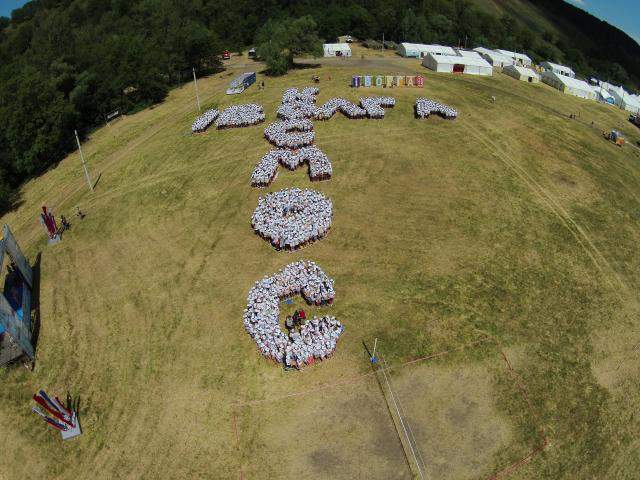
40 401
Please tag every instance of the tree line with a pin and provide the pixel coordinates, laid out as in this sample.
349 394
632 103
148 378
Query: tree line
65 64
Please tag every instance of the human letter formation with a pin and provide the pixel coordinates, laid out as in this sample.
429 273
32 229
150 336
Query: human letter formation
317 338
425 107
294 133
235 116
290 219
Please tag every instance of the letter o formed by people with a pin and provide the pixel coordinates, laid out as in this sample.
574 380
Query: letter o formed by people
317 338
292 218
290 133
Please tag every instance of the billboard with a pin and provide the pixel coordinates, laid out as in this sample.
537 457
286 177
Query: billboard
387 81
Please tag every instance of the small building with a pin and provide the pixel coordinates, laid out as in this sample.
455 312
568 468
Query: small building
336 50
569 85
241 83
518 58
420 50
521 73
558 69
458 64
496 59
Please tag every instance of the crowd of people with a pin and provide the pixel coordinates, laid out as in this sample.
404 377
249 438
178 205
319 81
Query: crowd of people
290 134
331 107
320 167
237 116
292 218
204 121
301 105
375 106
307 95
298 105
316 339
425 107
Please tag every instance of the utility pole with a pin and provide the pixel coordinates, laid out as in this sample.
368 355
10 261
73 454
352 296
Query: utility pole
84 164
195 82
382 40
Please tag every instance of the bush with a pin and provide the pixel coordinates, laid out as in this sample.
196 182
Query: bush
372 44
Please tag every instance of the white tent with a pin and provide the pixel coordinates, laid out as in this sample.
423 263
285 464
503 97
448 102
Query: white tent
559 69
521 73
603 95
420 50
498 60
625 100
457 64
570 86
518 58
336 50
467 53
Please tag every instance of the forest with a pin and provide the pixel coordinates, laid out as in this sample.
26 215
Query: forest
65 64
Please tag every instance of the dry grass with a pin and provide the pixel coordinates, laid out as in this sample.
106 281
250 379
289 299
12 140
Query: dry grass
512 220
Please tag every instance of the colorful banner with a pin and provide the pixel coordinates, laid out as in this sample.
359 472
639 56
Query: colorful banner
387 81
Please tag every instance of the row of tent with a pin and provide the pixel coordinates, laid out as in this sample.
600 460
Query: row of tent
482 61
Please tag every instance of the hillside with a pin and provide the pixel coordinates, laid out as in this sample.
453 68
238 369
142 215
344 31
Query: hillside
580 38
507 238
66 64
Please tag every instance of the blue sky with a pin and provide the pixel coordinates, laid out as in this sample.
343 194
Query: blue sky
7 5
624 14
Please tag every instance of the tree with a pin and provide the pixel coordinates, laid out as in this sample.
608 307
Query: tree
279 41
414 27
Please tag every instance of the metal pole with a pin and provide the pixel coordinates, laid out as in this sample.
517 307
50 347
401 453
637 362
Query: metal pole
195 82
375 344
84 164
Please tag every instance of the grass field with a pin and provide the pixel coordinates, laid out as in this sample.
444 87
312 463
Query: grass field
512 222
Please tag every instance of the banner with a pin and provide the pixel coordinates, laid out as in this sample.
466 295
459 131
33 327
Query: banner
387 81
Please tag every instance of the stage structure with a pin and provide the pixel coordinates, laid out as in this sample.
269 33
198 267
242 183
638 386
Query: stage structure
15 302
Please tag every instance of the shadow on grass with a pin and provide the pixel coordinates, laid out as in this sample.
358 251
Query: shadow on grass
12 203
35 306
95 184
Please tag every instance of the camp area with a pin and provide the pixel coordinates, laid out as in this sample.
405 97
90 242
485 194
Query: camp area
345 240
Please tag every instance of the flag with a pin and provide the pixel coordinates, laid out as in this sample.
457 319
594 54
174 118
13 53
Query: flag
62 406
48 400
55 413
50 421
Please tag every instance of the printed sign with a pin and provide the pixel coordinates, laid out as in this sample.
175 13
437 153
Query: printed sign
387 81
